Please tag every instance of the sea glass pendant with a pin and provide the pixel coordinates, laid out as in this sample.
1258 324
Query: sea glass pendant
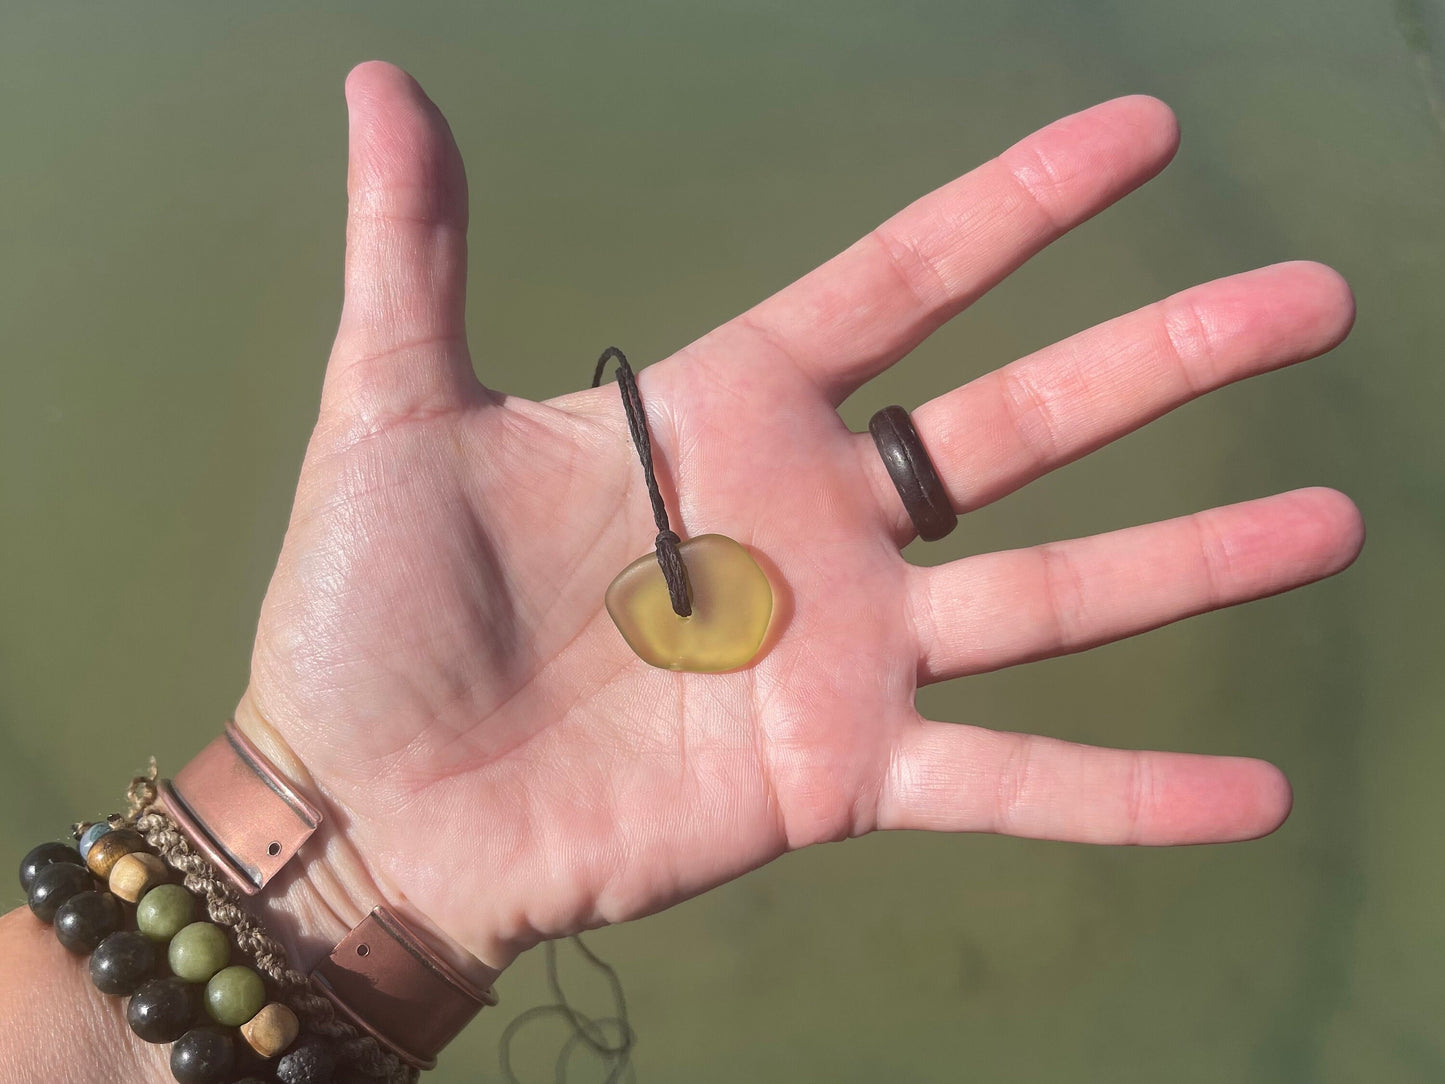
732 603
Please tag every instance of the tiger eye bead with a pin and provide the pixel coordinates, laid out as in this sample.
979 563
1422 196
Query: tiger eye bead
136 874
55 884
199 951
165 911
271 1030
122 962
234 995
110 848
163 1010
47 854
203 1056
90 835
86 919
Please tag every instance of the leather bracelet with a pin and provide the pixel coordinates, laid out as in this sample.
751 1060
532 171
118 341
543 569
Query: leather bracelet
237 810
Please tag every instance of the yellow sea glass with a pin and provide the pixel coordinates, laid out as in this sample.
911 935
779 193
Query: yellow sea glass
732 603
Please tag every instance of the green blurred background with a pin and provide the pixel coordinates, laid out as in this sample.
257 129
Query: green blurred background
171 210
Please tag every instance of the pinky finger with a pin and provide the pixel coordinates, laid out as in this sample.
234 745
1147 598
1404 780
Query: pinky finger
948 777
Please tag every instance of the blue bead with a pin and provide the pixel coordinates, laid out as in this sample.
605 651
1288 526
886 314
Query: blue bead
90 835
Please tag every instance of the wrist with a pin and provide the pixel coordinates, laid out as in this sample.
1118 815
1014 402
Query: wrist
55 1025
329 887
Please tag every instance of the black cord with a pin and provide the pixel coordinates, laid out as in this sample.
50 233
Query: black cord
668 555
593 1033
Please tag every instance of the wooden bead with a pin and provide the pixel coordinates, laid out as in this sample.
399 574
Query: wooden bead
135 874
271 1030
111 848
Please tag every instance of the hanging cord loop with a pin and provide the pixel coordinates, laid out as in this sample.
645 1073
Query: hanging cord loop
669 557
594 1033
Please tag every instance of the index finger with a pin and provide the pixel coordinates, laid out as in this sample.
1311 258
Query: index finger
864 309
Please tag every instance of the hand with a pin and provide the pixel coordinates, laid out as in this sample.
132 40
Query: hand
434 659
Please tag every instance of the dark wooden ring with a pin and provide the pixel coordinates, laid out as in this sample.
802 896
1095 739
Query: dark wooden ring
924 498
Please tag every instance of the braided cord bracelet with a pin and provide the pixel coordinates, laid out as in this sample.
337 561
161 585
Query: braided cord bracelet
223 905
168 965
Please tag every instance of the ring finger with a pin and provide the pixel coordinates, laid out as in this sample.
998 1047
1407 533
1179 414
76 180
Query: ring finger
997 609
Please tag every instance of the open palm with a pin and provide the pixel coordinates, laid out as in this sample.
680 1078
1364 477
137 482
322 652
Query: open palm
434 649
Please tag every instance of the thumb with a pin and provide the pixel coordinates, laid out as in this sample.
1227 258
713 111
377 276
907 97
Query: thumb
401 345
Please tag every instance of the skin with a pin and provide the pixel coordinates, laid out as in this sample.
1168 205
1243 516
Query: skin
434 663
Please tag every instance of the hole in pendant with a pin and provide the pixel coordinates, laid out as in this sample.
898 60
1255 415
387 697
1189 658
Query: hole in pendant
363 950
274 849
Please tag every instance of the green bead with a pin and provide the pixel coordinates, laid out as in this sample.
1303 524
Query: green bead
235 995
165 911
199 951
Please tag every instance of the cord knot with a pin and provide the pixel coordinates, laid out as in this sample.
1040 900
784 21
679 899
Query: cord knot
669 558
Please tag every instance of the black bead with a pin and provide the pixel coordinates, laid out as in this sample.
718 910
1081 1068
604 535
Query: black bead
250 1064
163 1010
203 1056
55 884
47 854
86 919
251 1067
310 1061
122 962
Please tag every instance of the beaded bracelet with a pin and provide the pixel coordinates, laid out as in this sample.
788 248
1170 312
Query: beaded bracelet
128 946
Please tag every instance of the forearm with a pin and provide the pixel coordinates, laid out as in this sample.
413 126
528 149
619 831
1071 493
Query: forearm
54 1025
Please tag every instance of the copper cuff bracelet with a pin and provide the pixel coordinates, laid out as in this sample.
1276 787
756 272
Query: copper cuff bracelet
389 984
233 805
